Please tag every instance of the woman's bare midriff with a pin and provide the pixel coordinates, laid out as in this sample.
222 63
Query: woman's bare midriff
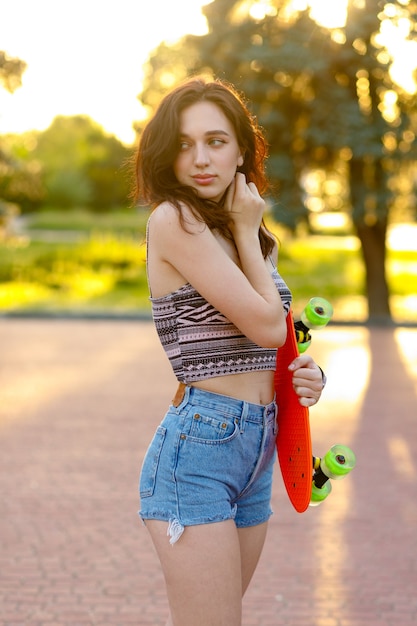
254 387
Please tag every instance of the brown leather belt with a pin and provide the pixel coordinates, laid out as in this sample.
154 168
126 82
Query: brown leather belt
179 394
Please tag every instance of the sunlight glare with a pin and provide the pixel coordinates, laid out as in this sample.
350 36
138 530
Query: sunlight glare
341 353
402 237
329 13
402 457
259 10
93 66
404 65
393 35
406 340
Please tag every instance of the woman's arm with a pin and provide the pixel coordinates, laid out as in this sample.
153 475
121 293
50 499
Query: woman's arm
246 209
247 297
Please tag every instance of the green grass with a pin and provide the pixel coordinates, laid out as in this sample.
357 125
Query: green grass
127 221
104 270
116 221
331 273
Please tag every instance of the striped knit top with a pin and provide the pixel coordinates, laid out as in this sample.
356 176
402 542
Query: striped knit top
202 343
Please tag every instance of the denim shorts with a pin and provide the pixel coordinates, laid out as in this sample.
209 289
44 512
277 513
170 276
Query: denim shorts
211 459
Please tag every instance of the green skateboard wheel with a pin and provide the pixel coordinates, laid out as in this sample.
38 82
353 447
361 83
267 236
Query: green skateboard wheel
302 347
319 494
317 313
337 462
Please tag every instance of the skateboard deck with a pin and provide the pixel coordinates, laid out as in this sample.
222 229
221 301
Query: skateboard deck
294 436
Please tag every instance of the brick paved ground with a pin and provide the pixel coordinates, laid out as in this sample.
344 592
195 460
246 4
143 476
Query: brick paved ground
78 403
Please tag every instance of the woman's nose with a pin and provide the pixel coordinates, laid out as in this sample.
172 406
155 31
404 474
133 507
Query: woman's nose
201 156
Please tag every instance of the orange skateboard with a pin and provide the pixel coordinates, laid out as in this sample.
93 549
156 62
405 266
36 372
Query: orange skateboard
306 477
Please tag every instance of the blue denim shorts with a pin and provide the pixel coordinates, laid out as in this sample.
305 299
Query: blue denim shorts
211 459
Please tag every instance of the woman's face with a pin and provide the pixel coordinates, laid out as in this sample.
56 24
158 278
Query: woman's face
209 153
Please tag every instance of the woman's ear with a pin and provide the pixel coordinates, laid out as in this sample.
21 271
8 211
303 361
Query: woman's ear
240 161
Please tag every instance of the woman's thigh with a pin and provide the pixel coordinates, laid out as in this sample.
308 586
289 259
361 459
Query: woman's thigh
251 540
202 572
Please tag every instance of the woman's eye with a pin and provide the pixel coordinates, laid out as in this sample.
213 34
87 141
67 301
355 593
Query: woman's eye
214 142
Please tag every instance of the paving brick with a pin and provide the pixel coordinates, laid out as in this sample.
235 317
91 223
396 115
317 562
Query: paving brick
79 401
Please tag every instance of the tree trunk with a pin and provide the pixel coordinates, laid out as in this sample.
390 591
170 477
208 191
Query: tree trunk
373 246
367 192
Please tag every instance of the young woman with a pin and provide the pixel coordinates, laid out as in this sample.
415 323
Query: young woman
219 307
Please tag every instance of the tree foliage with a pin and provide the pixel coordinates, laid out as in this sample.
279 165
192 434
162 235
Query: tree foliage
20 177
74 163
326 99
83 166
11 70
15 180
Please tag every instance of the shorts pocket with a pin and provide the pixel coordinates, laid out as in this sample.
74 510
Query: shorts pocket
150 463
206 429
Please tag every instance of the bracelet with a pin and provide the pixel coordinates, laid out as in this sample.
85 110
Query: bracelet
323 377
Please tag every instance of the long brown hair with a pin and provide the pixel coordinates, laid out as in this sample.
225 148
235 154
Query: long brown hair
159 146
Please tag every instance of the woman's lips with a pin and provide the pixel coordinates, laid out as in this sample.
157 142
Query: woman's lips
204 179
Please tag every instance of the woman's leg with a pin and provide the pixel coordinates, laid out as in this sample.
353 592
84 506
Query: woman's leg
252 540
203 573
192 577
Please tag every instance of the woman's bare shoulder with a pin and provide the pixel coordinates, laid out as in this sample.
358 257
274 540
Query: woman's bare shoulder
166 216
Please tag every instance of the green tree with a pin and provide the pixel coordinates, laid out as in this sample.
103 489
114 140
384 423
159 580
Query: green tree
11 71
326 99
19 181
20 175
82 165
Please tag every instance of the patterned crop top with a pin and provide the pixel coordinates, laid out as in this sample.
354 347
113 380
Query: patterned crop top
202 343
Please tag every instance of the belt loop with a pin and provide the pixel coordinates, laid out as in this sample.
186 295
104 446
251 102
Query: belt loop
243 416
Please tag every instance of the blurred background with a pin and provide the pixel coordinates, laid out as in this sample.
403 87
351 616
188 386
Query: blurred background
332 82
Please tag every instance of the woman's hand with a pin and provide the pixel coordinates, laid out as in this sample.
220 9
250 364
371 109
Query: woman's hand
245 205
307 380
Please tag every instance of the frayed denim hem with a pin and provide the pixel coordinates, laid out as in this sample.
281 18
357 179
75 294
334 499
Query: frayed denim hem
176 528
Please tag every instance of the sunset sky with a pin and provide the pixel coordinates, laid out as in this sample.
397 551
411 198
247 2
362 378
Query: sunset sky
85 56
